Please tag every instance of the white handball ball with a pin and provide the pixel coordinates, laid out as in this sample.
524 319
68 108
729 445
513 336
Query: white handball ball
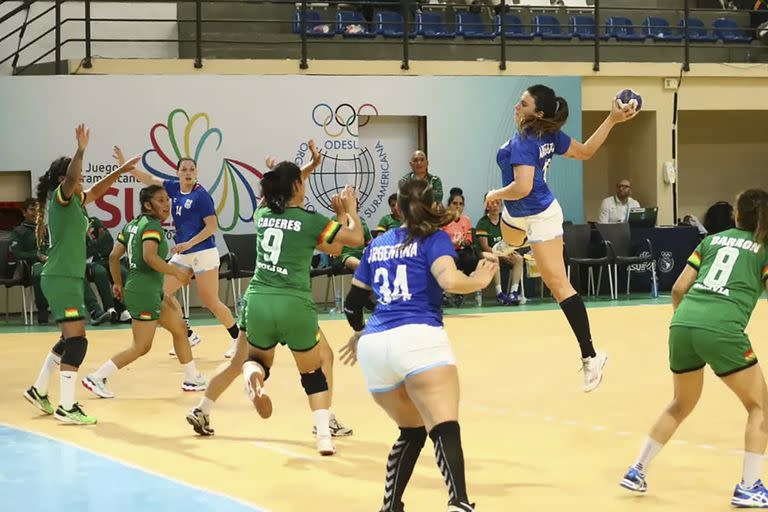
628 97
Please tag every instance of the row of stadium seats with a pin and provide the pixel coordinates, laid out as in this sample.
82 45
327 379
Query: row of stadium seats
433 25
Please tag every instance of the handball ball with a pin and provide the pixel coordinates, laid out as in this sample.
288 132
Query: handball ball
629 97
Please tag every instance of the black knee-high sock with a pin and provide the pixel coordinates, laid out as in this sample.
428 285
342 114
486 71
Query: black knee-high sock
234 331
450 459
576 313
400 463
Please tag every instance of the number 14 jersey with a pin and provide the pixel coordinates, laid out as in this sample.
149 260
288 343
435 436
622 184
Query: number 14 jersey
284 246
400 275
732 272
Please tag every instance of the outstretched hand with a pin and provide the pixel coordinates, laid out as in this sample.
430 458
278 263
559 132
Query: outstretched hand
619 114
117 154
348 353
82 135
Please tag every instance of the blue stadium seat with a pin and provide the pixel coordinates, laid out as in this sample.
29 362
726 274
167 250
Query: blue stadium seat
697 32
547 26
727 30
313 19
346 18
659 29
621 28
582 27
390 24
513 27
431 25
472 26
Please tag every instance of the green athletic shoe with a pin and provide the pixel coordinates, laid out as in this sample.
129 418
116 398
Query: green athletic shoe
75 415
38 400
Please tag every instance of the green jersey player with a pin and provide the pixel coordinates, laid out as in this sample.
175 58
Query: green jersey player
713 299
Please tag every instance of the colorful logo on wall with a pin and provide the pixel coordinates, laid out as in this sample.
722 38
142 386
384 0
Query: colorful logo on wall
183 136
345 160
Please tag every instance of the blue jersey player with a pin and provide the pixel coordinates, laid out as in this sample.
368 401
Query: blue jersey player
194 218
403 349
531 214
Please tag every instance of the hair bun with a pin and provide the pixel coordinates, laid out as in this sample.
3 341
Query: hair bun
456 191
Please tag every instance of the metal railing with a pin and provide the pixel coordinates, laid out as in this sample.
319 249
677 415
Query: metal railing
304 38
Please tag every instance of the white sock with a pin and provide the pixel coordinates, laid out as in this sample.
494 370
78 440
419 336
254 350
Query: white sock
753 467
67 391
513 288
190 371
206 405
498 289
650 449
322 417
105 371
52 362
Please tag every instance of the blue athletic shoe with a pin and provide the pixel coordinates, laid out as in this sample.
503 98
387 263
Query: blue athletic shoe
634 480
752 497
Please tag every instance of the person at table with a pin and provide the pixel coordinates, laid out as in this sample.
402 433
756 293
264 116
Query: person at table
616 207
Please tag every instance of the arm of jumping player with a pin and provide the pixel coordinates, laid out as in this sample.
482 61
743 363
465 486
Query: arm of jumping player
584 151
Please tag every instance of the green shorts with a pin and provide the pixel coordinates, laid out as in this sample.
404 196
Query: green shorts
143 306
65 297
690 348
272 319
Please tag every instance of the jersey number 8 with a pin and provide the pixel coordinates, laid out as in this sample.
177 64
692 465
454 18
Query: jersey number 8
399 285
720 271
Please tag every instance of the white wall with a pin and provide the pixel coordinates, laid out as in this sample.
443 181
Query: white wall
99 29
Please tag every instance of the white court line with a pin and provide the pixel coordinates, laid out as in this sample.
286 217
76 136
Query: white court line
283 451
257 508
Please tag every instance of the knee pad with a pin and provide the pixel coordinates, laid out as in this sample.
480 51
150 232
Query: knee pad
417 436
266 368
314 382
58 348
74 351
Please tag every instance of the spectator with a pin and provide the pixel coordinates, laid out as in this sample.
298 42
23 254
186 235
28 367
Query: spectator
719 217
420 170
488 233
616 208
392 219
99 242
460 231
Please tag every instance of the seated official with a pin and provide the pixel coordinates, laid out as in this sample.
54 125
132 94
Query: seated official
616 207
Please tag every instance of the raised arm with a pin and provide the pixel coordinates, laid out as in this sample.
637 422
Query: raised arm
351 234
107 181
585 151
143 176
75 170
310 166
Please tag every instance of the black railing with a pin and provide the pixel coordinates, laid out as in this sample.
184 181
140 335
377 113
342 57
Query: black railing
309 41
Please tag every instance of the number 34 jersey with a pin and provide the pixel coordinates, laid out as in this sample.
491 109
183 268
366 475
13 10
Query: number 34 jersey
400 275
285 243
732 272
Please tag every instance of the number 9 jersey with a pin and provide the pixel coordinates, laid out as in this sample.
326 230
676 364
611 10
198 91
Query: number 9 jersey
732 272
401 276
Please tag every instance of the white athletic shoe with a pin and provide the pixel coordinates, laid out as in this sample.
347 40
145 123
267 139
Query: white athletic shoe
125 317
593 370
199 384
325 445
229 354
97 386
261 401
194 339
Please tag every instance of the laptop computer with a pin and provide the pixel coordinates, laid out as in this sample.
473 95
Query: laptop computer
643 217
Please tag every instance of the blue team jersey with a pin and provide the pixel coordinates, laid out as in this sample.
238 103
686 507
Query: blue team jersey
536 152
188 211
406 291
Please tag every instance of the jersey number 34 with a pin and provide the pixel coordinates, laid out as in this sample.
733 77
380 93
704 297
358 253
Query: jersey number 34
399 290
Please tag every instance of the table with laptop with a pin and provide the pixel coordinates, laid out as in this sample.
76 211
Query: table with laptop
672 245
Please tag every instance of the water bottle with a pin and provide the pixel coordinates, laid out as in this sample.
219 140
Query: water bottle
479 299
337 301
654 286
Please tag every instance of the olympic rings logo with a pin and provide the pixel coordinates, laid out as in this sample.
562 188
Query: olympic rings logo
343 117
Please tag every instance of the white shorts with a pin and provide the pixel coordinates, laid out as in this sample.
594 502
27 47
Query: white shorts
542 227
388 357
198 262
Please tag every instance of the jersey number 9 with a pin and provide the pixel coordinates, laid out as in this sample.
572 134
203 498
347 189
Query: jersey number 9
272 243
399 285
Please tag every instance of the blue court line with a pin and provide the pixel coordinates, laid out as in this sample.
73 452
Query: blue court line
41 473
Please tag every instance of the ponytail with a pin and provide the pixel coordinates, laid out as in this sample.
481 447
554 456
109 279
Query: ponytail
752 213
554 109
46 184
417 205
277 185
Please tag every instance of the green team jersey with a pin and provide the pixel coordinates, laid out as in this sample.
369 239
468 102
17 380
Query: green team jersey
357 252
488 230
388 222
67 223
142 277
284 246
732 271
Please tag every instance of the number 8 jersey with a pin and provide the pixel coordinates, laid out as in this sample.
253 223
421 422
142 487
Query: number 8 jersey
732 272
284 246
400 275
